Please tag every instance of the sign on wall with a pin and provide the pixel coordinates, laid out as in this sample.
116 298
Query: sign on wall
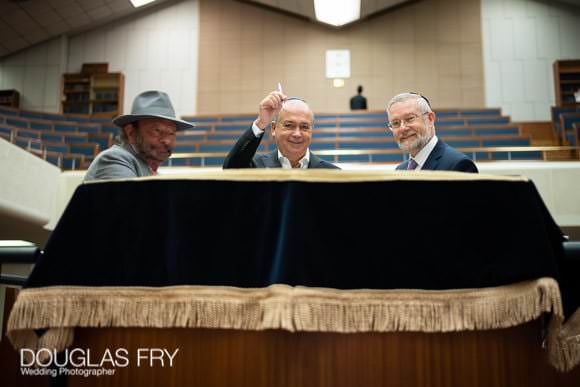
337 63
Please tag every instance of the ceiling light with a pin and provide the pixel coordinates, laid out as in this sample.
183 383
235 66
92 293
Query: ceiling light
337 13
140 3
15 243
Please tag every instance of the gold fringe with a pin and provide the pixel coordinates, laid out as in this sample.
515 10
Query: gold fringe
564 342
61 309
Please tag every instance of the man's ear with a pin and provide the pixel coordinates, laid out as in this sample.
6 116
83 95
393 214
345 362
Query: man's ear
431 116
129 130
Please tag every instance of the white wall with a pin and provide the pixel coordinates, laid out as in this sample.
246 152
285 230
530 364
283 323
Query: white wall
521 40
156 49
35 73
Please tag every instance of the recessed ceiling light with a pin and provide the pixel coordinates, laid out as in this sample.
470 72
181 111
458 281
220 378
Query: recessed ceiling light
15 243
140 3
337 13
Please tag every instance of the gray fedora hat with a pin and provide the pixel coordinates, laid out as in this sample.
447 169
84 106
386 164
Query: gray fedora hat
152 104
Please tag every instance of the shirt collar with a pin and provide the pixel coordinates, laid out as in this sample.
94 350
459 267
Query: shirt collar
424 153
287 165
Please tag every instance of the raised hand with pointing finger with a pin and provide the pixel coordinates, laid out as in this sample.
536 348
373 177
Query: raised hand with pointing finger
269 107
291 131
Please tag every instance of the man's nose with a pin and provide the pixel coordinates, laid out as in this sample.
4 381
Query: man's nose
297 131
404 124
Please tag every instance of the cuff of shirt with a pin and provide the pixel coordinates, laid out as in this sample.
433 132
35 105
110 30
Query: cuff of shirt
257 131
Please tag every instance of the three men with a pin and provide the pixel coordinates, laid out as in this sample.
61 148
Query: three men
413 125
147 139
292 124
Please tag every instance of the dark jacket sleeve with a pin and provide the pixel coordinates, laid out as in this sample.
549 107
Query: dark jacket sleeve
242 154
466 165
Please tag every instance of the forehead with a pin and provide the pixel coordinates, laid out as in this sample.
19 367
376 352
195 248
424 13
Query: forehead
404 107
296 111
153 123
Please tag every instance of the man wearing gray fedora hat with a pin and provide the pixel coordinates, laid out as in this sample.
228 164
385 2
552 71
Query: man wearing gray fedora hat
146 140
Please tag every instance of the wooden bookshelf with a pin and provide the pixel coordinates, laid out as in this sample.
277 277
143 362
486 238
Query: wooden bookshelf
567 82
10 98
93 92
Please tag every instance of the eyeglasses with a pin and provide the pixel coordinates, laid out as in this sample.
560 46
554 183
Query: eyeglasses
396 124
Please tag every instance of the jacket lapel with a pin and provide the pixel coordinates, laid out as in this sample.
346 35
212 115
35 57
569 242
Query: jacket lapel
433 160
314 162
271 160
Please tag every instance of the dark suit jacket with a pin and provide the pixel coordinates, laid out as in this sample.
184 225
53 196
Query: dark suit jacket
243 155
358 102
445 158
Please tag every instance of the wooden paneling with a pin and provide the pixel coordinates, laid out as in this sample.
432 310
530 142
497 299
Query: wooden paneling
432 46
209 357
9 359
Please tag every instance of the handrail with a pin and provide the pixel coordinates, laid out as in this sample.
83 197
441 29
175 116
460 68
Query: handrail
13 279
19 254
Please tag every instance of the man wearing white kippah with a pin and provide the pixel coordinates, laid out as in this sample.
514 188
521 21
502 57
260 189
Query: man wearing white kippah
292 124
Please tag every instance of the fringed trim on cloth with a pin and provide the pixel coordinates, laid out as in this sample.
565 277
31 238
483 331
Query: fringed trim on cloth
275 307
564 342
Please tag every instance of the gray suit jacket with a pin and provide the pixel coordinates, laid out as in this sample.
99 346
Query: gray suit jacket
445 158
119 161
243 155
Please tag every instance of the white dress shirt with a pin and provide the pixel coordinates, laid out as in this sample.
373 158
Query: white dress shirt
424 153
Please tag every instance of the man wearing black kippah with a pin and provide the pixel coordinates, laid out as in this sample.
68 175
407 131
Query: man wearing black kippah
412 123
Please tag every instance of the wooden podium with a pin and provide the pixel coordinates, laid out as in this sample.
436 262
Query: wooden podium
218 357
267 278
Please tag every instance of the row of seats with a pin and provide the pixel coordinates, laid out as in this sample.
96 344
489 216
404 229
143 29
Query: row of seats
359 123
374 150
79 141
338 133
363 133
68 141
383 142
33 115
71 145
63 156
344 117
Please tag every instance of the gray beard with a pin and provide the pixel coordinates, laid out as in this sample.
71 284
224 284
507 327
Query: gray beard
416 146
144 154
